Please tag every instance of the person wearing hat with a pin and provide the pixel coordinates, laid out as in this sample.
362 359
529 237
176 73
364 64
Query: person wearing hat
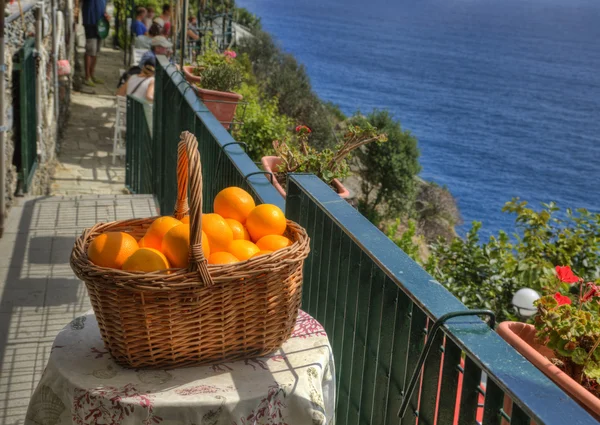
159 46
141 85
92 12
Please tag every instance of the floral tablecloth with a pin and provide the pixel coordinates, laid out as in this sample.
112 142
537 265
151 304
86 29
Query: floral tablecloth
82 385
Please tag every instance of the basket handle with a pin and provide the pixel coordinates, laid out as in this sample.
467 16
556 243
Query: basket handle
189 170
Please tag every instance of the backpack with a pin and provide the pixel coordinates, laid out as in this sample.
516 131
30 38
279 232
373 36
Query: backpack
131 71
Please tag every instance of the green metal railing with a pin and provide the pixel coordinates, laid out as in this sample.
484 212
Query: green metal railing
139 147
26 147
377 305
224 161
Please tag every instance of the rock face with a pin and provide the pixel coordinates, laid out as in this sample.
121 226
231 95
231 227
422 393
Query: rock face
20 27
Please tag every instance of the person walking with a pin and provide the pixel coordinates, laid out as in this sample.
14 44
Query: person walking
149 17
92 11
166 18
137 27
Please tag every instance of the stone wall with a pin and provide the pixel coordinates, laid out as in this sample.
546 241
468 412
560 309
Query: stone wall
18 29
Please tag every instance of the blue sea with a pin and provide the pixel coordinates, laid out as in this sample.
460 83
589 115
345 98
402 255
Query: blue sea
503 95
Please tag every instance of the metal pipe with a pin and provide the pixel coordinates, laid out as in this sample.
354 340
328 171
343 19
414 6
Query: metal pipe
38 86
183 31
2 122
55 64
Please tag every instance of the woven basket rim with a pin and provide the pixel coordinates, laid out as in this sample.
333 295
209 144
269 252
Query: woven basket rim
163 281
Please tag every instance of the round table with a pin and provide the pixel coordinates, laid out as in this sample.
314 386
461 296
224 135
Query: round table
83 385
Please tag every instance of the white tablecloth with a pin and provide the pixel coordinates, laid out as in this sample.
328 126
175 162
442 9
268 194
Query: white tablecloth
83 385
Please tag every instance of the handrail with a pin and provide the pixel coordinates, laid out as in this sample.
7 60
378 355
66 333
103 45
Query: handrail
537 395
230 148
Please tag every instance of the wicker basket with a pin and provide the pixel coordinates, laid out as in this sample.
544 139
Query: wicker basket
202 314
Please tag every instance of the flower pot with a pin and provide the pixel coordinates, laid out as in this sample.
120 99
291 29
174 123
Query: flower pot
188 72
222 104
271 164
522 337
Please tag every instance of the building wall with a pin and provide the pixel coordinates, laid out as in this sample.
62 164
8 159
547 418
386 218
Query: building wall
18 29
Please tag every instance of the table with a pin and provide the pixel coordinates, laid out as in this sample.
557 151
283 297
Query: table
83 385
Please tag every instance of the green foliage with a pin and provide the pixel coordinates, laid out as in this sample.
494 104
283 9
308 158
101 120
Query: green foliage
547 238
486 275
327 164
281 76
476 273
219 72
244 17
406 241
571 328
155 4
387 170
262 122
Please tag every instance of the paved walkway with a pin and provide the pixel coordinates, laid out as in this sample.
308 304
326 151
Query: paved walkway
39 293
86 150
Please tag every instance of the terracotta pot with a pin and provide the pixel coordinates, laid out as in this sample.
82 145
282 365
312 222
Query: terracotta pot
522 337
222 104
188 71
271 164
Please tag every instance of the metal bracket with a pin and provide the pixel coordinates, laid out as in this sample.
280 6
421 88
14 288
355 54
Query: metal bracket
244 144
270 174
430 338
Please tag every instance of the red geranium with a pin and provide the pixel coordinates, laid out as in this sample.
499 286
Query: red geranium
593 292
566 275
562 299
303 128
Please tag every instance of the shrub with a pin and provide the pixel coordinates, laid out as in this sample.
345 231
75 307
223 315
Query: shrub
262 122
486 275
477 274
244 17
281 76
220 72
298 155
407 240
387 170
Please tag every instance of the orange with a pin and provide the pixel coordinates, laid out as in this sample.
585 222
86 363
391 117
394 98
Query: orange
242 249
142 243
265 219
273 242
222 258
218 232
111 249
176 245
259 253
233 202
146 260
185 219
157 231
238 229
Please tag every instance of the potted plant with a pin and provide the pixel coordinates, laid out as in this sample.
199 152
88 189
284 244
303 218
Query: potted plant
329 165
564 341
215 79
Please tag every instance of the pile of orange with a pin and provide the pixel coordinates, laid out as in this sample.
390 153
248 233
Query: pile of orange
237 231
